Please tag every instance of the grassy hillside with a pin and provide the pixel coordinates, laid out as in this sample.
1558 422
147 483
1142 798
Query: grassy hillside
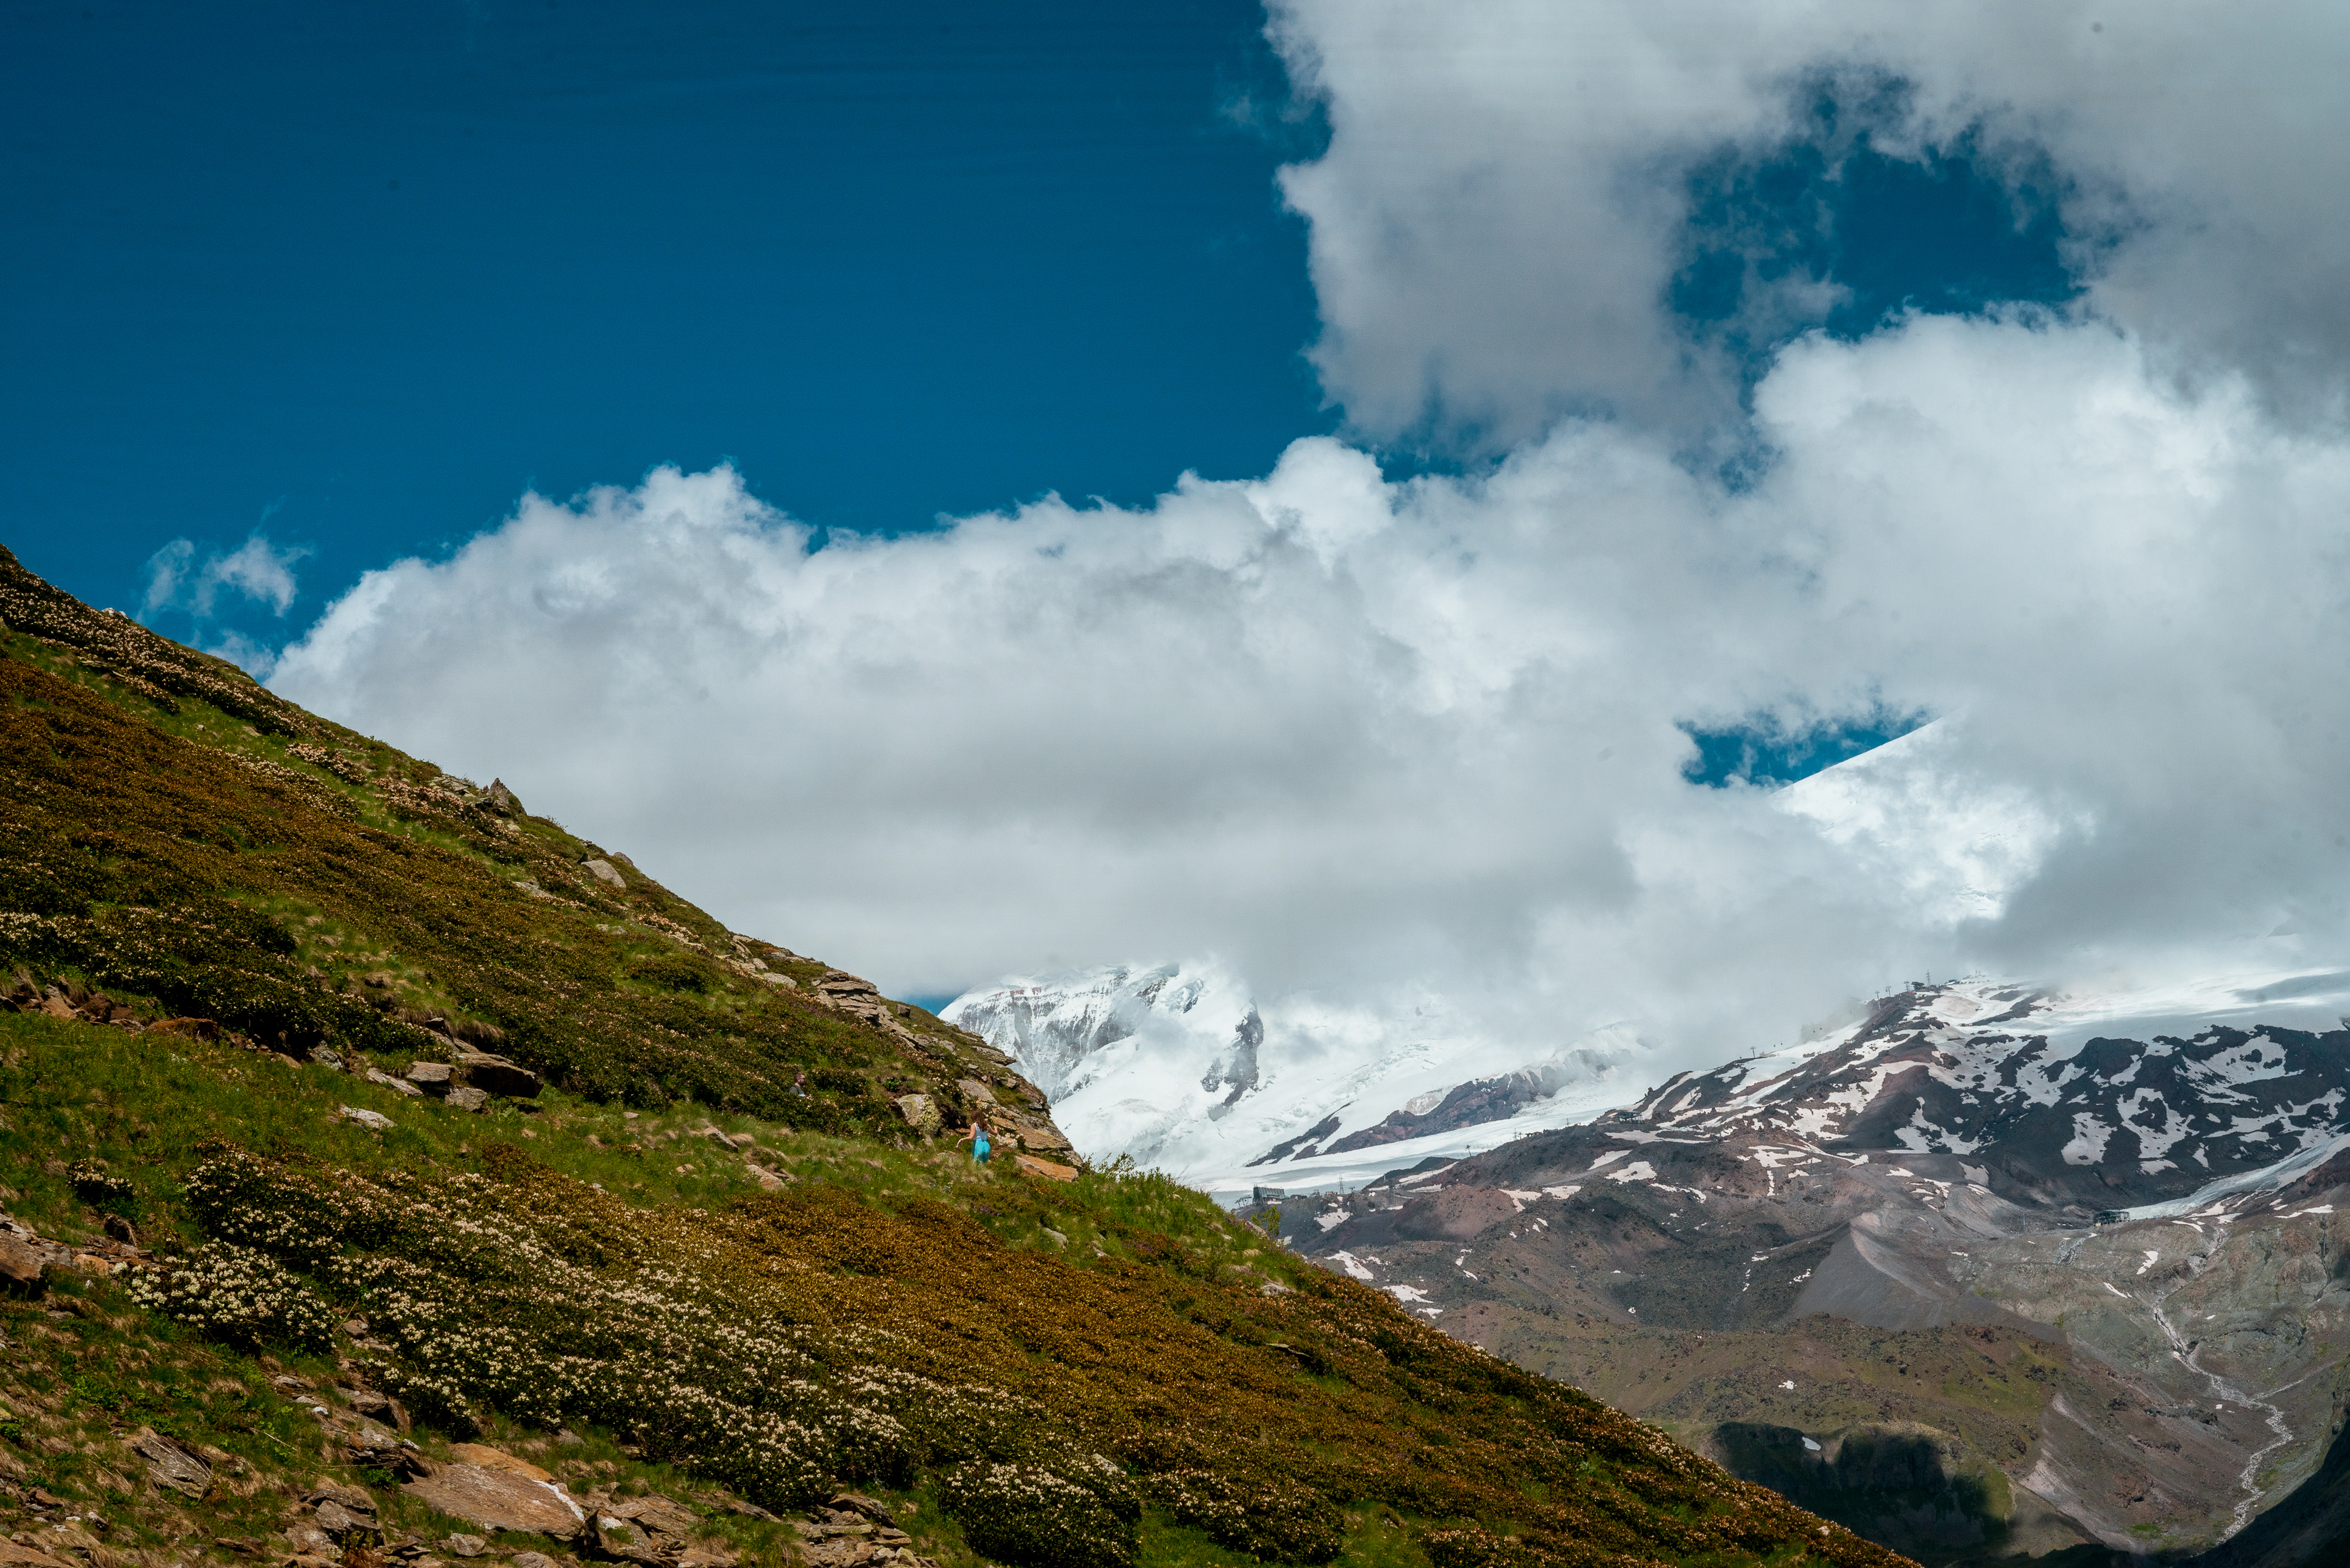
175 830
668 1272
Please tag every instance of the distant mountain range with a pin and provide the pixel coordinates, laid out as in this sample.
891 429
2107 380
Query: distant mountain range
1988 1272
1177 1068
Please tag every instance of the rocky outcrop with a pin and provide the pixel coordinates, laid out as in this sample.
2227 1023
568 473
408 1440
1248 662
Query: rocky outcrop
172 1464
847 994
513 1495
856 1531
28 1258
496 1075
1235 1073
1481 1100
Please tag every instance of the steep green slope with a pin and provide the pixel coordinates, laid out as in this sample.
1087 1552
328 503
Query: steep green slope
175 830
667 1269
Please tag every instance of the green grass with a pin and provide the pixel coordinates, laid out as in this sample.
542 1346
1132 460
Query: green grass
152 1108
1376 1538
1145 1334
175 859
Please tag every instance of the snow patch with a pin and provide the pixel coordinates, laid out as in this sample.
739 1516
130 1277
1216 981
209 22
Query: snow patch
2089 1137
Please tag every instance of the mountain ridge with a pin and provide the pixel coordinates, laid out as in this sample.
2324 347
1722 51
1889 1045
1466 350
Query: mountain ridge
1967 1171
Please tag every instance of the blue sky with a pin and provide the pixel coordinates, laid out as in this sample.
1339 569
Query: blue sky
354 277
358 275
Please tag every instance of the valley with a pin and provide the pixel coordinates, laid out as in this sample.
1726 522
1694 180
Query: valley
1970 1291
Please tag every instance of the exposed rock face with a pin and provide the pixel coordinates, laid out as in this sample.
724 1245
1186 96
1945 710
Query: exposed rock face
173 1465
858 998
344 1514
1940 1184
500 1499
1236 1071
649 1529
857 1530
22 1269
1472 1103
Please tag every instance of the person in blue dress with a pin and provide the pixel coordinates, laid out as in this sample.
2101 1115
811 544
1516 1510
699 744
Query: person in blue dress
975 1134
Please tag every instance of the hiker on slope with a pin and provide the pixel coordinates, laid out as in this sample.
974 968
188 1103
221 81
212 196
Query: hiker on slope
975 1134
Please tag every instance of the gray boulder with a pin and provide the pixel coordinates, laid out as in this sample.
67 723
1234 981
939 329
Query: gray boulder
498 1075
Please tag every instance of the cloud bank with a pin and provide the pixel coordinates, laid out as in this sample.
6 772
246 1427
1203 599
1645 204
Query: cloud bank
1406 757
1414 747
1505 192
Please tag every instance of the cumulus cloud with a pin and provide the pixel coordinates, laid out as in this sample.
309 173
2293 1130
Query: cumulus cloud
1504 193
1414 749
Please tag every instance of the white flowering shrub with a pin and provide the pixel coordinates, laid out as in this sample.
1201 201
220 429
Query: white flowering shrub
239 1296
484 1303
1026 1515
1279 1520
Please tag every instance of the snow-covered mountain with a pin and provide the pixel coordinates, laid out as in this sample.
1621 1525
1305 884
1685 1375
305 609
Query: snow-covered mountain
2139 1187
2114 1101
1179 1068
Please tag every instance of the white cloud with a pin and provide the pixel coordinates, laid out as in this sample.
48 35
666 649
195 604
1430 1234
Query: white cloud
257 570
1411 749
1496 218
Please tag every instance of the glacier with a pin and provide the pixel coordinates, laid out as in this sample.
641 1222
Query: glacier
1176 1067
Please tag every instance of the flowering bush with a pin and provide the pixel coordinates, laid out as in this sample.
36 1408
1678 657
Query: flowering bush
1475 1548
95 1185
237 1294
481 1307
1270 1517
794 1343
1025 1514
